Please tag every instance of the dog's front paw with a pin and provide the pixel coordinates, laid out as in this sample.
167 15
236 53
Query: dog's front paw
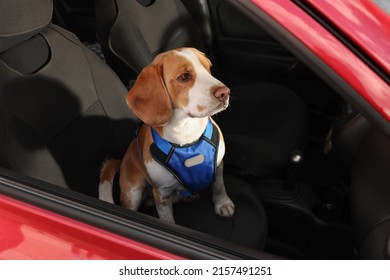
224 208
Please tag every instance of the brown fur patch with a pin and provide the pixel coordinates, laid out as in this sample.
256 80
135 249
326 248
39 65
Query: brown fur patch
174 66
133 175
133 161
201 108
158 198
109 169
149 99
144 141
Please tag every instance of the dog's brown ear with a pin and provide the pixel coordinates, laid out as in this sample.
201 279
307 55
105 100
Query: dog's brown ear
149 99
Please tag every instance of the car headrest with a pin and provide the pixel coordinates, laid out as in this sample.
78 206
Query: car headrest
21 19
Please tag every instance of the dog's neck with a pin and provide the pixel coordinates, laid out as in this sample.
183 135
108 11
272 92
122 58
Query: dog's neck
183 129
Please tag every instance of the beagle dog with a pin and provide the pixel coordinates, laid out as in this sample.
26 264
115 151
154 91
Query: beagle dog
178 150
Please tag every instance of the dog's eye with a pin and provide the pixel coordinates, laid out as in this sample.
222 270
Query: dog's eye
184 77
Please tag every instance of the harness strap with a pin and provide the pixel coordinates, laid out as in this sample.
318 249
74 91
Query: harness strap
202 153
136 139
166 146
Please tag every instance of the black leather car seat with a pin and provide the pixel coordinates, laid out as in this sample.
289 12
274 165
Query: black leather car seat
55 99
370 196
266 122
63 112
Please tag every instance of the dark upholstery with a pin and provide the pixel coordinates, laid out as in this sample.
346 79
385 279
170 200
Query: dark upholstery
63 112
265 123
370 197
20 19
347 133
269 126
55 123
248 225
128 31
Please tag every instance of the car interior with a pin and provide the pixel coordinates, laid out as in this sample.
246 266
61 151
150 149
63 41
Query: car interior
304 166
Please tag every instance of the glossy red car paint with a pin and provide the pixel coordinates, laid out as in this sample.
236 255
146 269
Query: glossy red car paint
364 23
29 232
334 53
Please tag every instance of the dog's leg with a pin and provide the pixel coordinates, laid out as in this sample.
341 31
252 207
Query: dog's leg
163 200
132 198
223 206
163 185
132 188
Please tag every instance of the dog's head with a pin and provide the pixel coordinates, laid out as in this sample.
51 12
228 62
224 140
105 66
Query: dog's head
177 79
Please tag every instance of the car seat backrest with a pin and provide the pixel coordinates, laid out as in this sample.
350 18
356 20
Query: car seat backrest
370 196
135 31
62 110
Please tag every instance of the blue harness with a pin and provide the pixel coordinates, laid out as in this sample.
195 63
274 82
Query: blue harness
194 165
